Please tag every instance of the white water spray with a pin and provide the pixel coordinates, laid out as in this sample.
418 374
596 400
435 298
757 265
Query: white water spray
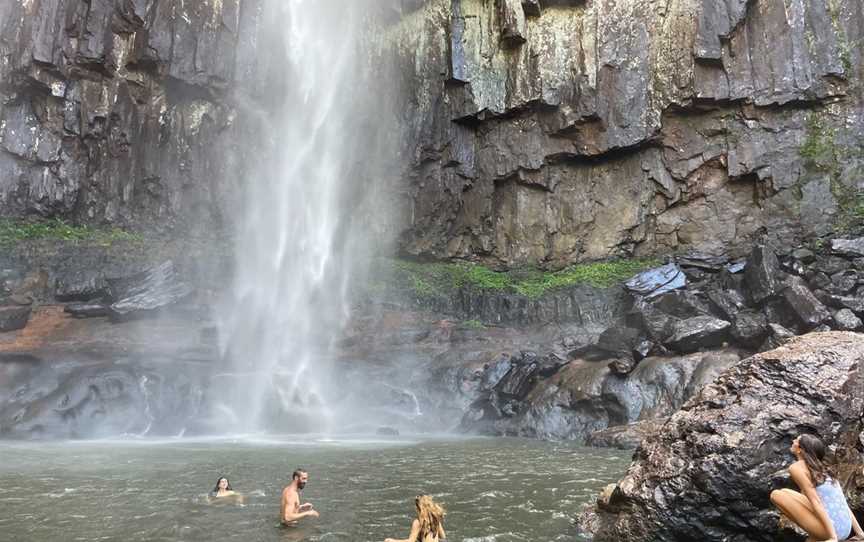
297 245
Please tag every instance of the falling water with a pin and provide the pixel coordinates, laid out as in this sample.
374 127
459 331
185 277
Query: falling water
297 242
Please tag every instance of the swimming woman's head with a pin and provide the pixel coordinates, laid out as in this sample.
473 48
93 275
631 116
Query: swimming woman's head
429 513
222 484
811 450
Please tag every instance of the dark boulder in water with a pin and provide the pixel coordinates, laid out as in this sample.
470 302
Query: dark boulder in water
707 474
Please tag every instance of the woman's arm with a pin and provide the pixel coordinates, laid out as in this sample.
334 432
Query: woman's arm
801 476
441 534
412 537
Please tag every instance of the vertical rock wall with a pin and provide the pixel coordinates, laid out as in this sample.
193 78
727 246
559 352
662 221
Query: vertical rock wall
552 132
123 111
537 131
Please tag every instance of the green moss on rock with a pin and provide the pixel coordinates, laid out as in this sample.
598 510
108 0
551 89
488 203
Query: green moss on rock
439 279
13 231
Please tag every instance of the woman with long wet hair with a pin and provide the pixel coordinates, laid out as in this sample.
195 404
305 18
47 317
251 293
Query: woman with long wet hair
428 526
820 508
223 489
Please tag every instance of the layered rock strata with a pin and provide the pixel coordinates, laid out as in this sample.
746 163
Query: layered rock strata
126 112
552 132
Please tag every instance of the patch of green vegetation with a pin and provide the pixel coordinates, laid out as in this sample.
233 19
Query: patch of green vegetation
846 58
850 204
474 324
846 47
440 279
819 150
16 230
829 152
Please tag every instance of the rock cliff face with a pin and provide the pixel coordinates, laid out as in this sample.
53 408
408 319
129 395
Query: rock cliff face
550 132
125 111
541 132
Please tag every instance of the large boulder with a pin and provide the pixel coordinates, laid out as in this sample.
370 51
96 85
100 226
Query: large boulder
587 396
762 274
708 474
808 311
749 328
14 317
698 333
848 247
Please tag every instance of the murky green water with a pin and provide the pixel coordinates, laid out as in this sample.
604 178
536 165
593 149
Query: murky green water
501 490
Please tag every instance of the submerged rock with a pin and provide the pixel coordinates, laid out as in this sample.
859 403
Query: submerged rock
708 473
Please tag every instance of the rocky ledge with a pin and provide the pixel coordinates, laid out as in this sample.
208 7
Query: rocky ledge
600 365
707 473
681 325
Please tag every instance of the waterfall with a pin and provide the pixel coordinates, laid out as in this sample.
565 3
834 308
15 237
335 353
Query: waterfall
298 243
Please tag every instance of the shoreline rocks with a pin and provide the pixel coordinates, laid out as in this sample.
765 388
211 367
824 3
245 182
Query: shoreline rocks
707 473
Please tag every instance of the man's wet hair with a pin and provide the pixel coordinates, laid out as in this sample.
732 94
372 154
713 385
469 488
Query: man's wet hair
297 472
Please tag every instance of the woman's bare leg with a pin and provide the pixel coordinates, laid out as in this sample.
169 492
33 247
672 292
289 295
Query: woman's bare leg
797 507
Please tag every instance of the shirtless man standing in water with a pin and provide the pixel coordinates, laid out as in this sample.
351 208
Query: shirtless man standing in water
292 510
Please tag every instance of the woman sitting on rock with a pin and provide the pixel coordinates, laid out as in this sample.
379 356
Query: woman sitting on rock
820 509
428 526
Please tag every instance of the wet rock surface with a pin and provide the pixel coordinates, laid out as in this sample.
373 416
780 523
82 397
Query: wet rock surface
147 292
723 452
99 400
124 112
715 311
13 317
624 437
584 130
585 396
